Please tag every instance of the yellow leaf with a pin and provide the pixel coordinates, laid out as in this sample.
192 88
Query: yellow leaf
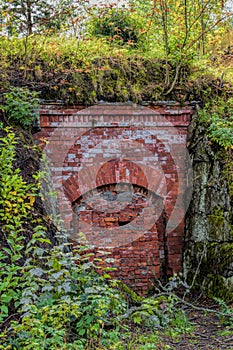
32 200
8 204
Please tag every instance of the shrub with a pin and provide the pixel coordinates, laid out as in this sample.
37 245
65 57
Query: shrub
118 25
219 117
21 106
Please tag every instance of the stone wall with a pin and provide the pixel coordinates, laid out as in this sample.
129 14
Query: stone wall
208 254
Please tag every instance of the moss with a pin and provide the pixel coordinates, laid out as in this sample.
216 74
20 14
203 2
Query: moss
220 257
214 275
226 257
228 173
226 159
218 286
132 297
217 222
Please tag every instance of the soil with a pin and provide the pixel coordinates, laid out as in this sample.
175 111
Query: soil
209 332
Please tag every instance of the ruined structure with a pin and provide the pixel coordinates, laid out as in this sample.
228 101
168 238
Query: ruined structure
121 175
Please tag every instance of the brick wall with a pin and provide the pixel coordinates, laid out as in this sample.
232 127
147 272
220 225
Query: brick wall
121 176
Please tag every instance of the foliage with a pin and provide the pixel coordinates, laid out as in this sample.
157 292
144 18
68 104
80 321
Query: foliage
221 131
164 309
123 338
80 72
218 115
162 312
179 32
64 302
49 296
90 69
21 106
182 25
117 25
30 17
16 202
227 312
181 28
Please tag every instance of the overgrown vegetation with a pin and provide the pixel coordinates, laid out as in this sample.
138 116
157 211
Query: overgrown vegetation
218 116
21 107
47 297
118 26
137 51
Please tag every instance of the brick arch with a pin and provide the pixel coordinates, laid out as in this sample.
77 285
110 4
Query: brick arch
159 260
121 209
124 170
113 171
96 136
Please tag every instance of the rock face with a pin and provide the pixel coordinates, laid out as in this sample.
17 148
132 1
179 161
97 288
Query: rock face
208 254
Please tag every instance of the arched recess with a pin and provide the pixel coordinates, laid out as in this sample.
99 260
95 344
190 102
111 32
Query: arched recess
117 218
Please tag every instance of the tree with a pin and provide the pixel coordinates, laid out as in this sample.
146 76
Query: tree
182 27
26 17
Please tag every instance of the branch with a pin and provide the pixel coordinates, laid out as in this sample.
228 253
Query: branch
7 319
199 15
206 31
178 66
175 79
198 308
130 311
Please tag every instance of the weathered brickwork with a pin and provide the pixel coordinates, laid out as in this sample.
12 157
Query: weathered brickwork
120 174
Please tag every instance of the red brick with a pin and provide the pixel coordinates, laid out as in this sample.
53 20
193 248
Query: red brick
138 261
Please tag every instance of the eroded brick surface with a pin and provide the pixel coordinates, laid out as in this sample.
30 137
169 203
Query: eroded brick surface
120 174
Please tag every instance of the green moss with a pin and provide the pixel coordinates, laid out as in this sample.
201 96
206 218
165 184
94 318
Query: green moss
228 172
213 277
217 222
218 286
226 257
132 297
220 257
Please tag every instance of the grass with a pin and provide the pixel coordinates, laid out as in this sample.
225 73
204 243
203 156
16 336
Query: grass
131 340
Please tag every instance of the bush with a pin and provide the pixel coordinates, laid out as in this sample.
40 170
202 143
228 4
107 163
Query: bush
219 117
21 106
118 25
